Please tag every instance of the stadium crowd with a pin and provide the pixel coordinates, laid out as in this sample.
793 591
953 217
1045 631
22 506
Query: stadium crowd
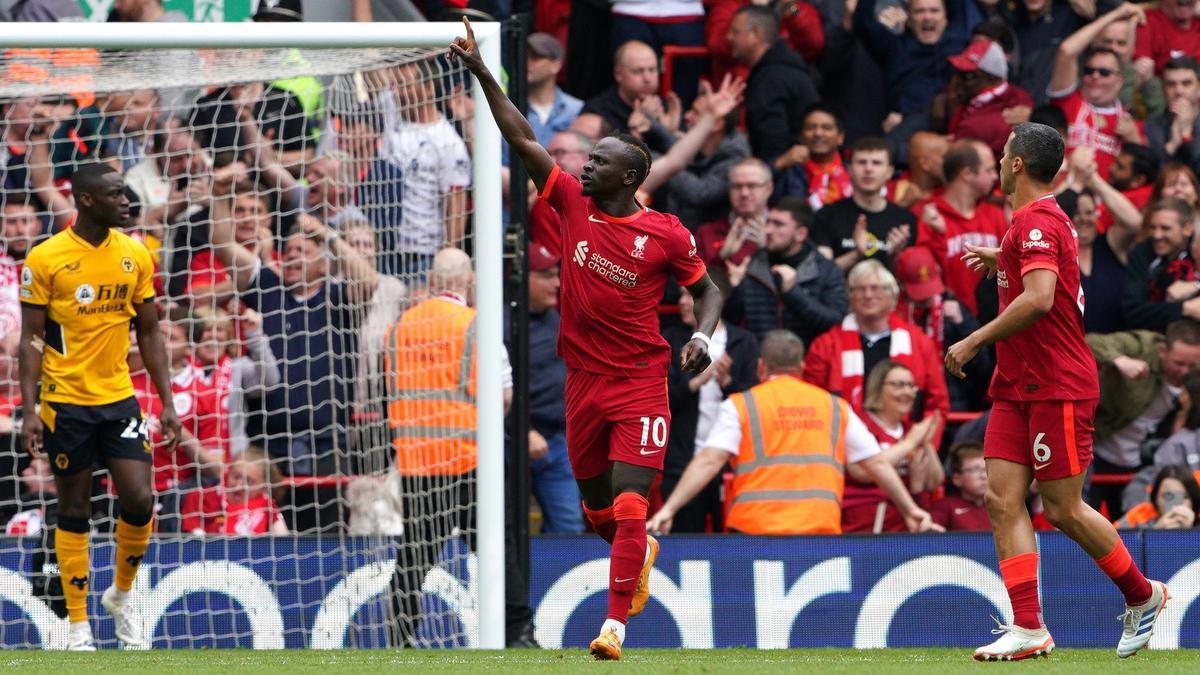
302 226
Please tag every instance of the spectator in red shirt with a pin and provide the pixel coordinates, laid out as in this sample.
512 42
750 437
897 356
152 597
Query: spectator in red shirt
1169 30
813 168
965 511
961 215
241 505
980 86
739 234
891 392
840 358
209 281
1095 117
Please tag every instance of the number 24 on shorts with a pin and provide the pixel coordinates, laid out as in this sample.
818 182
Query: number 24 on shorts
135 429
658 426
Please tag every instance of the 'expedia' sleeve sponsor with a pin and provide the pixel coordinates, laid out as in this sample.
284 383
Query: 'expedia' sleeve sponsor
35 279
1038 238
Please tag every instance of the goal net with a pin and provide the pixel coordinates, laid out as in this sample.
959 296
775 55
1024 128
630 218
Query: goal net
326 364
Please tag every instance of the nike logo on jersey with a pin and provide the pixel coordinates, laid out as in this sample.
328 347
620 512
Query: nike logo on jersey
1039 467
592 217
960 511
652 452
619 580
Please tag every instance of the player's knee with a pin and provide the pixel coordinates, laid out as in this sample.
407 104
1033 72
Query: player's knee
1001 507
139 504
1061 516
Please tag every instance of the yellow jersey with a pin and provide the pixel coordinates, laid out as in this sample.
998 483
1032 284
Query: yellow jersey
89 293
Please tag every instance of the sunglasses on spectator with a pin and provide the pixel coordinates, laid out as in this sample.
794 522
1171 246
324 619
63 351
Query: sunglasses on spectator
1102 72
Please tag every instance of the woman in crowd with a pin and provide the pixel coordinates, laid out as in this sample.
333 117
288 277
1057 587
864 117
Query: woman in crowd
888 399
1173 501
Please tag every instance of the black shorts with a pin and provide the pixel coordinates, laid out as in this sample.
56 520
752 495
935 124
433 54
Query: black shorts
79 437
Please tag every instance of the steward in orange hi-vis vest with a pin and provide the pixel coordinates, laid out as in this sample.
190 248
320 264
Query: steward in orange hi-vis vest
791 464
430 364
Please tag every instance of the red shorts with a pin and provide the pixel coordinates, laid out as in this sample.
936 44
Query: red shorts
615 419
1053 437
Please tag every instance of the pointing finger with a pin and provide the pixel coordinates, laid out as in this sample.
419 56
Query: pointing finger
470 31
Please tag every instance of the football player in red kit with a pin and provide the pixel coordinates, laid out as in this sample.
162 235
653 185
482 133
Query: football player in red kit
618 256
1045 390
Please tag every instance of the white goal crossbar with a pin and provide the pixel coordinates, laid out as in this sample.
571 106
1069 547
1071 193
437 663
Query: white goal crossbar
488 227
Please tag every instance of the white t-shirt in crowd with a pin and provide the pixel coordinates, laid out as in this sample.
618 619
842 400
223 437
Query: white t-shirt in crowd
710 392
434 160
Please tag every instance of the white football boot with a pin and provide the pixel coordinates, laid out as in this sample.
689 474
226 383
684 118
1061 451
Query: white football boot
1139 621
1016 643
128 619
81 638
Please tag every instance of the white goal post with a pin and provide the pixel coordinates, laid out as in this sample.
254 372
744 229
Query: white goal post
486 195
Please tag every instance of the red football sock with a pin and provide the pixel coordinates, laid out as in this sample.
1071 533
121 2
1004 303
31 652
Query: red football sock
602 522
628 553
1119 567
1020 575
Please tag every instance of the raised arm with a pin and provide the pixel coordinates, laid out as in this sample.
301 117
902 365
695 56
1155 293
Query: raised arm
240 262
717 104
513 125
41 173
1066 64
358 272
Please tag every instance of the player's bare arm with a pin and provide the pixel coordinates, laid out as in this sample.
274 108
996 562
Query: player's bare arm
33 326
885 476
982 259
513 125
694 357
1032 304
154 355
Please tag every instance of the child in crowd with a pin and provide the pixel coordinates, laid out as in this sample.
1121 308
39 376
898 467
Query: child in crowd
966 510
241 505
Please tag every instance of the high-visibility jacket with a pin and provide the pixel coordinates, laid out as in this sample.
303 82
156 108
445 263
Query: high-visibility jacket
790 469
430 367
1142 515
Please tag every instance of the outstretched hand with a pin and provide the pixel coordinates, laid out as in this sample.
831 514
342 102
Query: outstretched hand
465 49
724 100
982 259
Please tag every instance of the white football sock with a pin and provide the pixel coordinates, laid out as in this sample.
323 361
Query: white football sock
615 625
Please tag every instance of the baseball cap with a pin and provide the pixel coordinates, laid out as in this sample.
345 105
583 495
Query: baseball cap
544 45
982 55
919 274
279 10
541 259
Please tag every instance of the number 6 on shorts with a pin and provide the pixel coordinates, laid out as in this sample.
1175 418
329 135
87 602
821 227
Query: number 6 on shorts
1041 451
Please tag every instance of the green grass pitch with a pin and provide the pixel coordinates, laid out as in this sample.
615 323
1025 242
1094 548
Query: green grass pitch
872 662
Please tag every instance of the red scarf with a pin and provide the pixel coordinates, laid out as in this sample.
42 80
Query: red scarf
852 362
827 182
932 325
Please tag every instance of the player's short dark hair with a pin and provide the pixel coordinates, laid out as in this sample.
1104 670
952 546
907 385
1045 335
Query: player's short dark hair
962 155
15 198
871 144
1100 51
1040 147
1145 161
1181 208
1182 63
822 107
87 177
1184 330
801 212
763 18
962 451
637 155
782 351
1050 115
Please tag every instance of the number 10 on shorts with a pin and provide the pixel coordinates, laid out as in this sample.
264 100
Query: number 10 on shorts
657 426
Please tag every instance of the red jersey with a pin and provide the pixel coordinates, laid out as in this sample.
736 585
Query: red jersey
614 273
1089 126
959 515
1162 39
1048 361
197 407
208 510
985 228
220 378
